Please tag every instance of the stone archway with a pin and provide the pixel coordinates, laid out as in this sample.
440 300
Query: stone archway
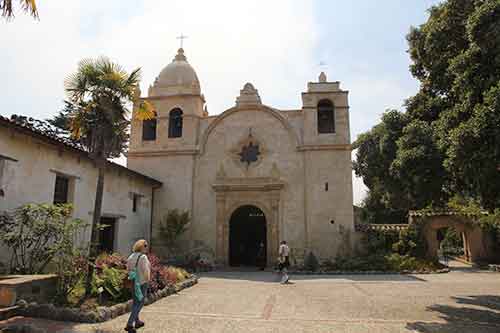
476 242
247 234
261 192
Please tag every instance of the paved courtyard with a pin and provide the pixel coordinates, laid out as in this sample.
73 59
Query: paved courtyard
460 301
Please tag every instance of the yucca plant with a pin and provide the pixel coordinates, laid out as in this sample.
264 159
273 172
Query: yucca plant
173 225
97 115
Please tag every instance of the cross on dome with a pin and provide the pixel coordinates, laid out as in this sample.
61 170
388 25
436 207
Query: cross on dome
181 38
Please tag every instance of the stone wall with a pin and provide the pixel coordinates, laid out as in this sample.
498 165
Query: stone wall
31 288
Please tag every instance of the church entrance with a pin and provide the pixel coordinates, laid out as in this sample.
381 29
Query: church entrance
247 237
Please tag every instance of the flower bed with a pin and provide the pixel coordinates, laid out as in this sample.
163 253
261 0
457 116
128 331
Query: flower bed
111 270
100 313
338 272
109 297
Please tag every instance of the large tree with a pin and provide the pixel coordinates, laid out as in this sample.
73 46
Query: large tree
28 6
456 56
96 114
376 150
450 143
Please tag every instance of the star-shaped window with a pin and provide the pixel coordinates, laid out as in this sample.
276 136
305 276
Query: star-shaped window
249 153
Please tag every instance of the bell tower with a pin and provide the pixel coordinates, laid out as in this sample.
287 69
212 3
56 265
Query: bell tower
166 147
327 161
326 113
179 106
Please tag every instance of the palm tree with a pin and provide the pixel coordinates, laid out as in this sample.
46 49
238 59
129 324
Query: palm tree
97 115
28 6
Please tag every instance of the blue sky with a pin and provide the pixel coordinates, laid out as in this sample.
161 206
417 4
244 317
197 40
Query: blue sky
277 45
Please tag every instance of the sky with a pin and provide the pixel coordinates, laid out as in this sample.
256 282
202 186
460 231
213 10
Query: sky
278 45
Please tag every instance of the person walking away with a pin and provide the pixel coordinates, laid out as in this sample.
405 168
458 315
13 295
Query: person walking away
261 256
139 270
284 261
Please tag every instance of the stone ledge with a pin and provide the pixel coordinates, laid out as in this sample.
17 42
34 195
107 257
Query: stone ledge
102 313
6 313
37 288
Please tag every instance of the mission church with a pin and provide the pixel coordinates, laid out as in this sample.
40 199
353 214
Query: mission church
250 175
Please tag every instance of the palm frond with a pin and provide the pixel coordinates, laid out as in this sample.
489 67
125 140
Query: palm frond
145 111
99 91
28 6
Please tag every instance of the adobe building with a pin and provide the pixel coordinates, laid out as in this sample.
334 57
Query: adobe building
251 174
37 167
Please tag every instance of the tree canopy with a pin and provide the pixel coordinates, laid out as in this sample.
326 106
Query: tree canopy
448 140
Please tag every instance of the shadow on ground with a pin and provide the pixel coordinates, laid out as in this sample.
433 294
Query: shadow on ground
273 277
472 314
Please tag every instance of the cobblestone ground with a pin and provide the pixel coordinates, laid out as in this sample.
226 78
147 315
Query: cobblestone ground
253 302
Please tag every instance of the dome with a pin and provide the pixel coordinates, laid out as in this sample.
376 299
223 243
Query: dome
176 79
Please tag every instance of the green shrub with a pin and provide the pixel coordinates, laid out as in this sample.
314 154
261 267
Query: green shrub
411 242
71 269
393 262
372 262
173 225
380 241
311 262
36 234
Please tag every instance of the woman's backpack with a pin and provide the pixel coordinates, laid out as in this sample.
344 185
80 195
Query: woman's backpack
128 281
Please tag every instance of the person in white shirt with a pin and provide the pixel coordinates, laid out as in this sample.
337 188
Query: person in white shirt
138 260
284 261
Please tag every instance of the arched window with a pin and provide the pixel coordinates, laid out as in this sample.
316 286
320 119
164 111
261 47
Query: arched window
175 123
326 116
149 129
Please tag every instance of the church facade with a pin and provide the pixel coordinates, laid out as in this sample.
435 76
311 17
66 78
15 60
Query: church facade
250 176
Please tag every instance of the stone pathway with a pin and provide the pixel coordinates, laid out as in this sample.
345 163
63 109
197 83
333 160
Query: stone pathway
254 302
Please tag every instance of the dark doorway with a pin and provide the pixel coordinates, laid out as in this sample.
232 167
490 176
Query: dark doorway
247 231
107 235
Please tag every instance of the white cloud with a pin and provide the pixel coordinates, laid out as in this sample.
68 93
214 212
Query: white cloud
269 43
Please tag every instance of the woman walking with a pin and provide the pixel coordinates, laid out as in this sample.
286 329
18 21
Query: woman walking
284 261
139 271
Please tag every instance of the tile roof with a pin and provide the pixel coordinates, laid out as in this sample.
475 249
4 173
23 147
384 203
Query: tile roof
366 227
42 130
